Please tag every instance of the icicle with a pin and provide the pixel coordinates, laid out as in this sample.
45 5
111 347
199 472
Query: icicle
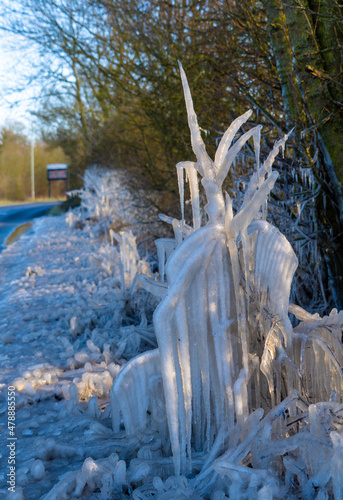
194 189
241 397
177 227
180 178
228 211
192 177
246 255
272 155
185 365
165 247
161 258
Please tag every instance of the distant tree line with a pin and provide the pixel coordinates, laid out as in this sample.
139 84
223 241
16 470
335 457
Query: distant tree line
15 166
113 95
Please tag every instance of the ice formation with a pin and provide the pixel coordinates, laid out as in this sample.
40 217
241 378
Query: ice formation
228 352
230 400
103 199
109 202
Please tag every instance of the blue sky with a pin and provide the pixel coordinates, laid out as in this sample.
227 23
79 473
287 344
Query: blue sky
14 67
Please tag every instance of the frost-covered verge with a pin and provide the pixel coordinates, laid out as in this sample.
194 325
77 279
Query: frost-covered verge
67 326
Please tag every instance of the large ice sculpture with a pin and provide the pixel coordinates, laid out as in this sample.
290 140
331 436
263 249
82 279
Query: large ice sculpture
226 346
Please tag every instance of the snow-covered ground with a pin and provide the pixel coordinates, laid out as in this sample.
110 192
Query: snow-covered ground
66 328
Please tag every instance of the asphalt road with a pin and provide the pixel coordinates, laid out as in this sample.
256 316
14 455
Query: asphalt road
12 216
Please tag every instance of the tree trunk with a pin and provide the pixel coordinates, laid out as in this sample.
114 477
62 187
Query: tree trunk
306 39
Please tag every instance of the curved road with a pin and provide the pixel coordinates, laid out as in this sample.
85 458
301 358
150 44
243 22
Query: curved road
12 216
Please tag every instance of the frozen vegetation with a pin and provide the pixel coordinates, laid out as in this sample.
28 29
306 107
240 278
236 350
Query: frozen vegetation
186 383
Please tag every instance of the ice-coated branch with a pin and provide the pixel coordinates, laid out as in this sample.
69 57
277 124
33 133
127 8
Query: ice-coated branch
227 138
204 164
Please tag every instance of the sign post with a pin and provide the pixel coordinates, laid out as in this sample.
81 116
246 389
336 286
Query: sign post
32 171
57 172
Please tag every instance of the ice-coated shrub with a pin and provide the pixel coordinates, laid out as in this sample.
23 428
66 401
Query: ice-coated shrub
105 201
227 353
103 196
110 201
